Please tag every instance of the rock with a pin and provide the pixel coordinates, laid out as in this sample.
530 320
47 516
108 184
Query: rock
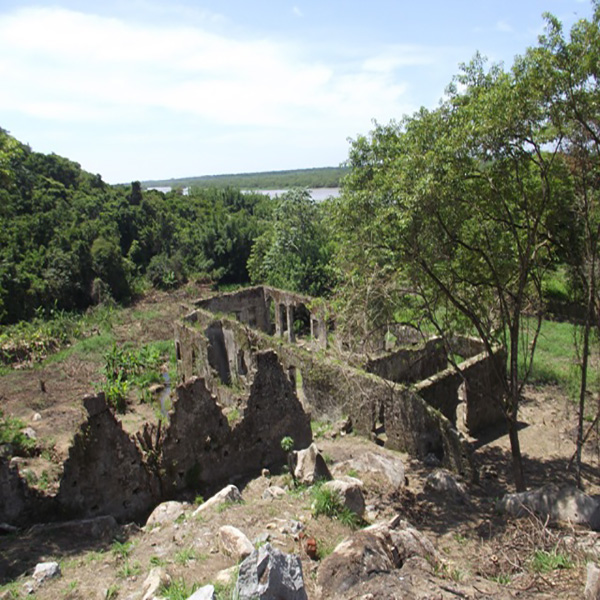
6 529
156 388
566 504
273 492
235 543
206 592
167 512
431 460
310 465
98 528
265 473
228 494
378 549
226 576
444 482
156 578
350 491
370 462
36 417
44 571
269 574
29 432
592 584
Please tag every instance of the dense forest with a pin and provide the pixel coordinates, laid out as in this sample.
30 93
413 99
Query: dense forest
70 240
325 177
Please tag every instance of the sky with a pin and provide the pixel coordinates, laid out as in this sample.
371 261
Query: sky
158 89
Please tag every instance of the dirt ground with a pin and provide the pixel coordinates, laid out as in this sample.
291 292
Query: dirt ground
476 544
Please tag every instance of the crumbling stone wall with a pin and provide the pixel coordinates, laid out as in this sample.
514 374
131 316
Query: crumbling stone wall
482 377
201 448
410 364
331 388
105 473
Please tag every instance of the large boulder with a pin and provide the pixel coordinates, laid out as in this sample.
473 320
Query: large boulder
378 549
310 466
566 504
370 462
592 583
349 489
235 543
269 574
166 512
229 493
444 482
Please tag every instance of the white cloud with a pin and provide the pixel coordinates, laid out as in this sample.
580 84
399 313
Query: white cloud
504 26
70 66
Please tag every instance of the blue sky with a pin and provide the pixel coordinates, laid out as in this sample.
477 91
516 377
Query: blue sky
153 89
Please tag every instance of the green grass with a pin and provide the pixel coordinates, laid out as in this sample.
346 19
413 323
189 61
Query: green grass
184 555
329 503
543 561
178 589
555 361
10 433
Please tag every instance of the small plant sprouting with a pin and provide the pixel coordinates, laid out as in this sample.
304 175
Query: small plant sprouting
287 443
329 503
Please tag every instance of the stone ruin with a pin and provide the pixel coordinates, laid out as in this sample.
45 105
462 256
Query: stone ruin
253 366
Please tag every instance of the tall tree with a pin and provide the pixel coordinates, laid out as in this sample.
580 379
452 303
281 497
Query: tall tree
462 205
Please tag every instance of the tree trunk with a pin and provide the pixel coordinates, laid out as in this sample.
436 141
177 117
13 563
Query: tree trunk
512 409
515 449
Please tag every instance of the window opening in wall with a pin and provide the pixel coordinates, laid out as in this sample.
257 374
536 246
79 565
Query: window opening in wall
242 369
379 427
301 321
271 316
283 317
178 350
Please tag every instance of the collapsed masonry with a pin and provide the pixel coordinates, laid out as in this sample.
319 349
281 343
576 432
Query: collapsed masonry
246 381
109 472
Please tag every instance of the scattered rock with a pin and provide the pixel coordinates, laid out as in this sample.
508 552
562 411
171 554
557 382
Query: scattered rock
167 512
156 578
444 482
566 504
350 491
206 592
273 492
378 549
229 493
156 388
235 543
370 462
36 417
310 465
44 571
269 574
266 473
592 584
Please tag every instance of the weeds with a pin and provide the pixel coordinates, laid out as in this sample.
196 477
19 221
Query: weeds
329 503
185 555
177 589
10 434
544 561
121 550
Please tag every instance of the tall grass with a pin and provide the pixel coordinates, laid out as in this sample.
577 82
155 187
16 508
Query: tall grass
557 357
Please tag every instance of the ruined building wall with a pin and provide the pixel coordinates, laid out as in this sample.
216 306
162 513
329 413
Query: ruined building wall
105 473
410 364
330 389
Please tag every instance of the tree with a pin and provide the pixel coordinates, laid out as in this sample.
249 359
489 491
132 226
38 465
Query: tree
461 205
569 71
294 253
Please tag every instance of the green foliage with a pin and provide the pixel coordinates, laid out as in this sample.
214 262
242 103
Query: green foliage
10 433
328 502
544 561
121 550
293 253
177 589
287 443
